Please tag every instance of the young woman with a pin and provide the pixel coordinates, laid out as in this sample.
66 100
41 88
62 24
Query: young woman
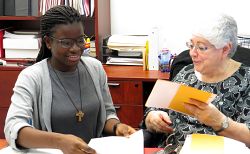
63 100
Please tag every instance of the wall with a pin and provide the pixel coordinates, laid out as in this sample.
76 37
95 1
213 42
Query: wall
174 18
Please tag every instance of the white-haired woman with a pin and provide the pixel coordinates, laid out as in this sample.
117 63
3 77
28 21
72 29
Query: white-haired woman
211 48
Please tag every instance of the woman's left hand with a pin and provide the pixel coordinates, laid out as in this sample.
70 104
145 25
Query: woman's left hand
124 130
205 113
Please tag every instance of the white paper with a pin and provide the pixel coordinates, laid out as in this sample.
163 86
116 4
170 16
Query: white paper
119 145
127 40
124 61
18 36
9 150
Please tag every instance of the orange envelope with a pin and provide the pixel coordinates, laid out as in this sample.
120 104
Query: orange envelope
171 95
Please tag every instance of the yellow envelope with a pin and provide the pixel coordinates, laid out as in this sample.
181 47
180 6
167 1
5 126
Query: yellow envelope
171 95
207 144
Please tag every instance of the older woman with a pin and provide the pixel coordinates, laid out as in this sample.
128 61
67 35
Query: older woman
211 48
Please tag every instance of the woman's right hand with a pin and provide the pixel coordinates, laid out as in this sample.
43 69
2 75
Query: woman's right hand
158 121
70 144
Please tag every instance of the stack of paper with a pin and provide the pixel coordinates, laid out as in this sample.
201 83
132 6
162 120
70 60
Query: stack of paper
21 46
129 47
124 61
127 42
211 144
118 144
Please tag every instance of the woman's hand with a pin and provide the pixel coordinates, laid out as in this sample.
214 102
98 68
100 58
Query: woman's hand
70 144
205 113
124 130
158 121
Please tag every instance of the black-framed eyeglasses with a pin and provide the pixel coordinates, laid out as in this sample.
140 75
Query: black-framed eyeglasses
69 42
198 47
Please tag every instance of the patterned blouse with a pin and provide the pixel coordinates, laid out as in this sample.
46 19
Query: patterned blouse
233 100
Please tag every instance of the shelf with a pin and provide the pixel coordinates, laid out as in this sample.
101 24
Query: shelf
19 18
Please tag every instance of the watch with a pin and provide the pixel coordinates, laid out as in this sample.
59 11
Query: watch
224 125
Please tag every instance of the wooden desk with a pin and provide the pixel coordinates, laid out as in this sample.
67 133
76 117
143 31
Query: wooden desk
4 144
133 73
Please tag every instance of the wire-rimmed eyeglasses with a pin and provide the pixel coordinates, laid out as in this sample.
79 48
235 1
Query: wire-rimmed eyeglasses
69 42
198 47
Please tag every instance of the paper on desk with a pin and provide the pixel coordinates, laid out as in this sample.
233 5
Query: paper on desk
171 95
9 150
211 144
118 144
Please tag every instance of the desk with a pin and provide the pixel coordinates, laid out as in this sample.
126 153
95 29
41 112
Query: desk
4 144
133 73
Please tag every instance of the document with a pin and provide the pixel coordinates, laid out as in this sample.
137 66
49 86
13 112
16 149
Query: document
9 150
171 95
212 144
124 61
118 144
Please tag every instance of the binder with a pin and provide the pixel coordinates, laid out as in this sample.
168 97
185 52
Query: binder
1 7
17 7
22 8
9 6
34 7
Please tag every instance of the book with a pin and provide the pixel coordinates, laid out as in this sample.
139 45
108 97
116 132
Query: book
171 95
1 7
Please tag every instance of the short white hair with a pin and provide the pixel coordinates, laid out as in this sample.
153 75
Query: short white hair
218 30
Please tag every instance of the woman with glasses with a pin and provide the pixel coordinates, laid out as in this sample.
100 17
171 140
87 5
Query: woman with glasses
63 100
211 47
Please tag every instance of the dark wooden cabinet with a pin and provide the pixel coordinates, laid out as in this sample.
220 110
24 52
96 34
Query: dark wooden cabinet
128 100
3 113
8 76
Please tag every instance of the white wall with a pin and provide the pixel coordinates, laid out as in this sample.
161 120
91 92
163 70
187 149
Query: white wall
174 18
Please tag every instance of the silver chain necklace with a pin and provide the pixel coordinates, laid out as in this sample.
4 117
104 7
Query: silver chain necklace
79 114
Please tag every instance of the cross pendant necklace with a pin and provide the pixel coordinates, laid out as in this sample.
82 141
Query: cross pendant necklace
79 114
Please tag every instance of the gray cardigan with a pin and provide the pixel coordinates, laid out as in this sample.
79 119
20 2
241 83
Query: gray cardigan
32 98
